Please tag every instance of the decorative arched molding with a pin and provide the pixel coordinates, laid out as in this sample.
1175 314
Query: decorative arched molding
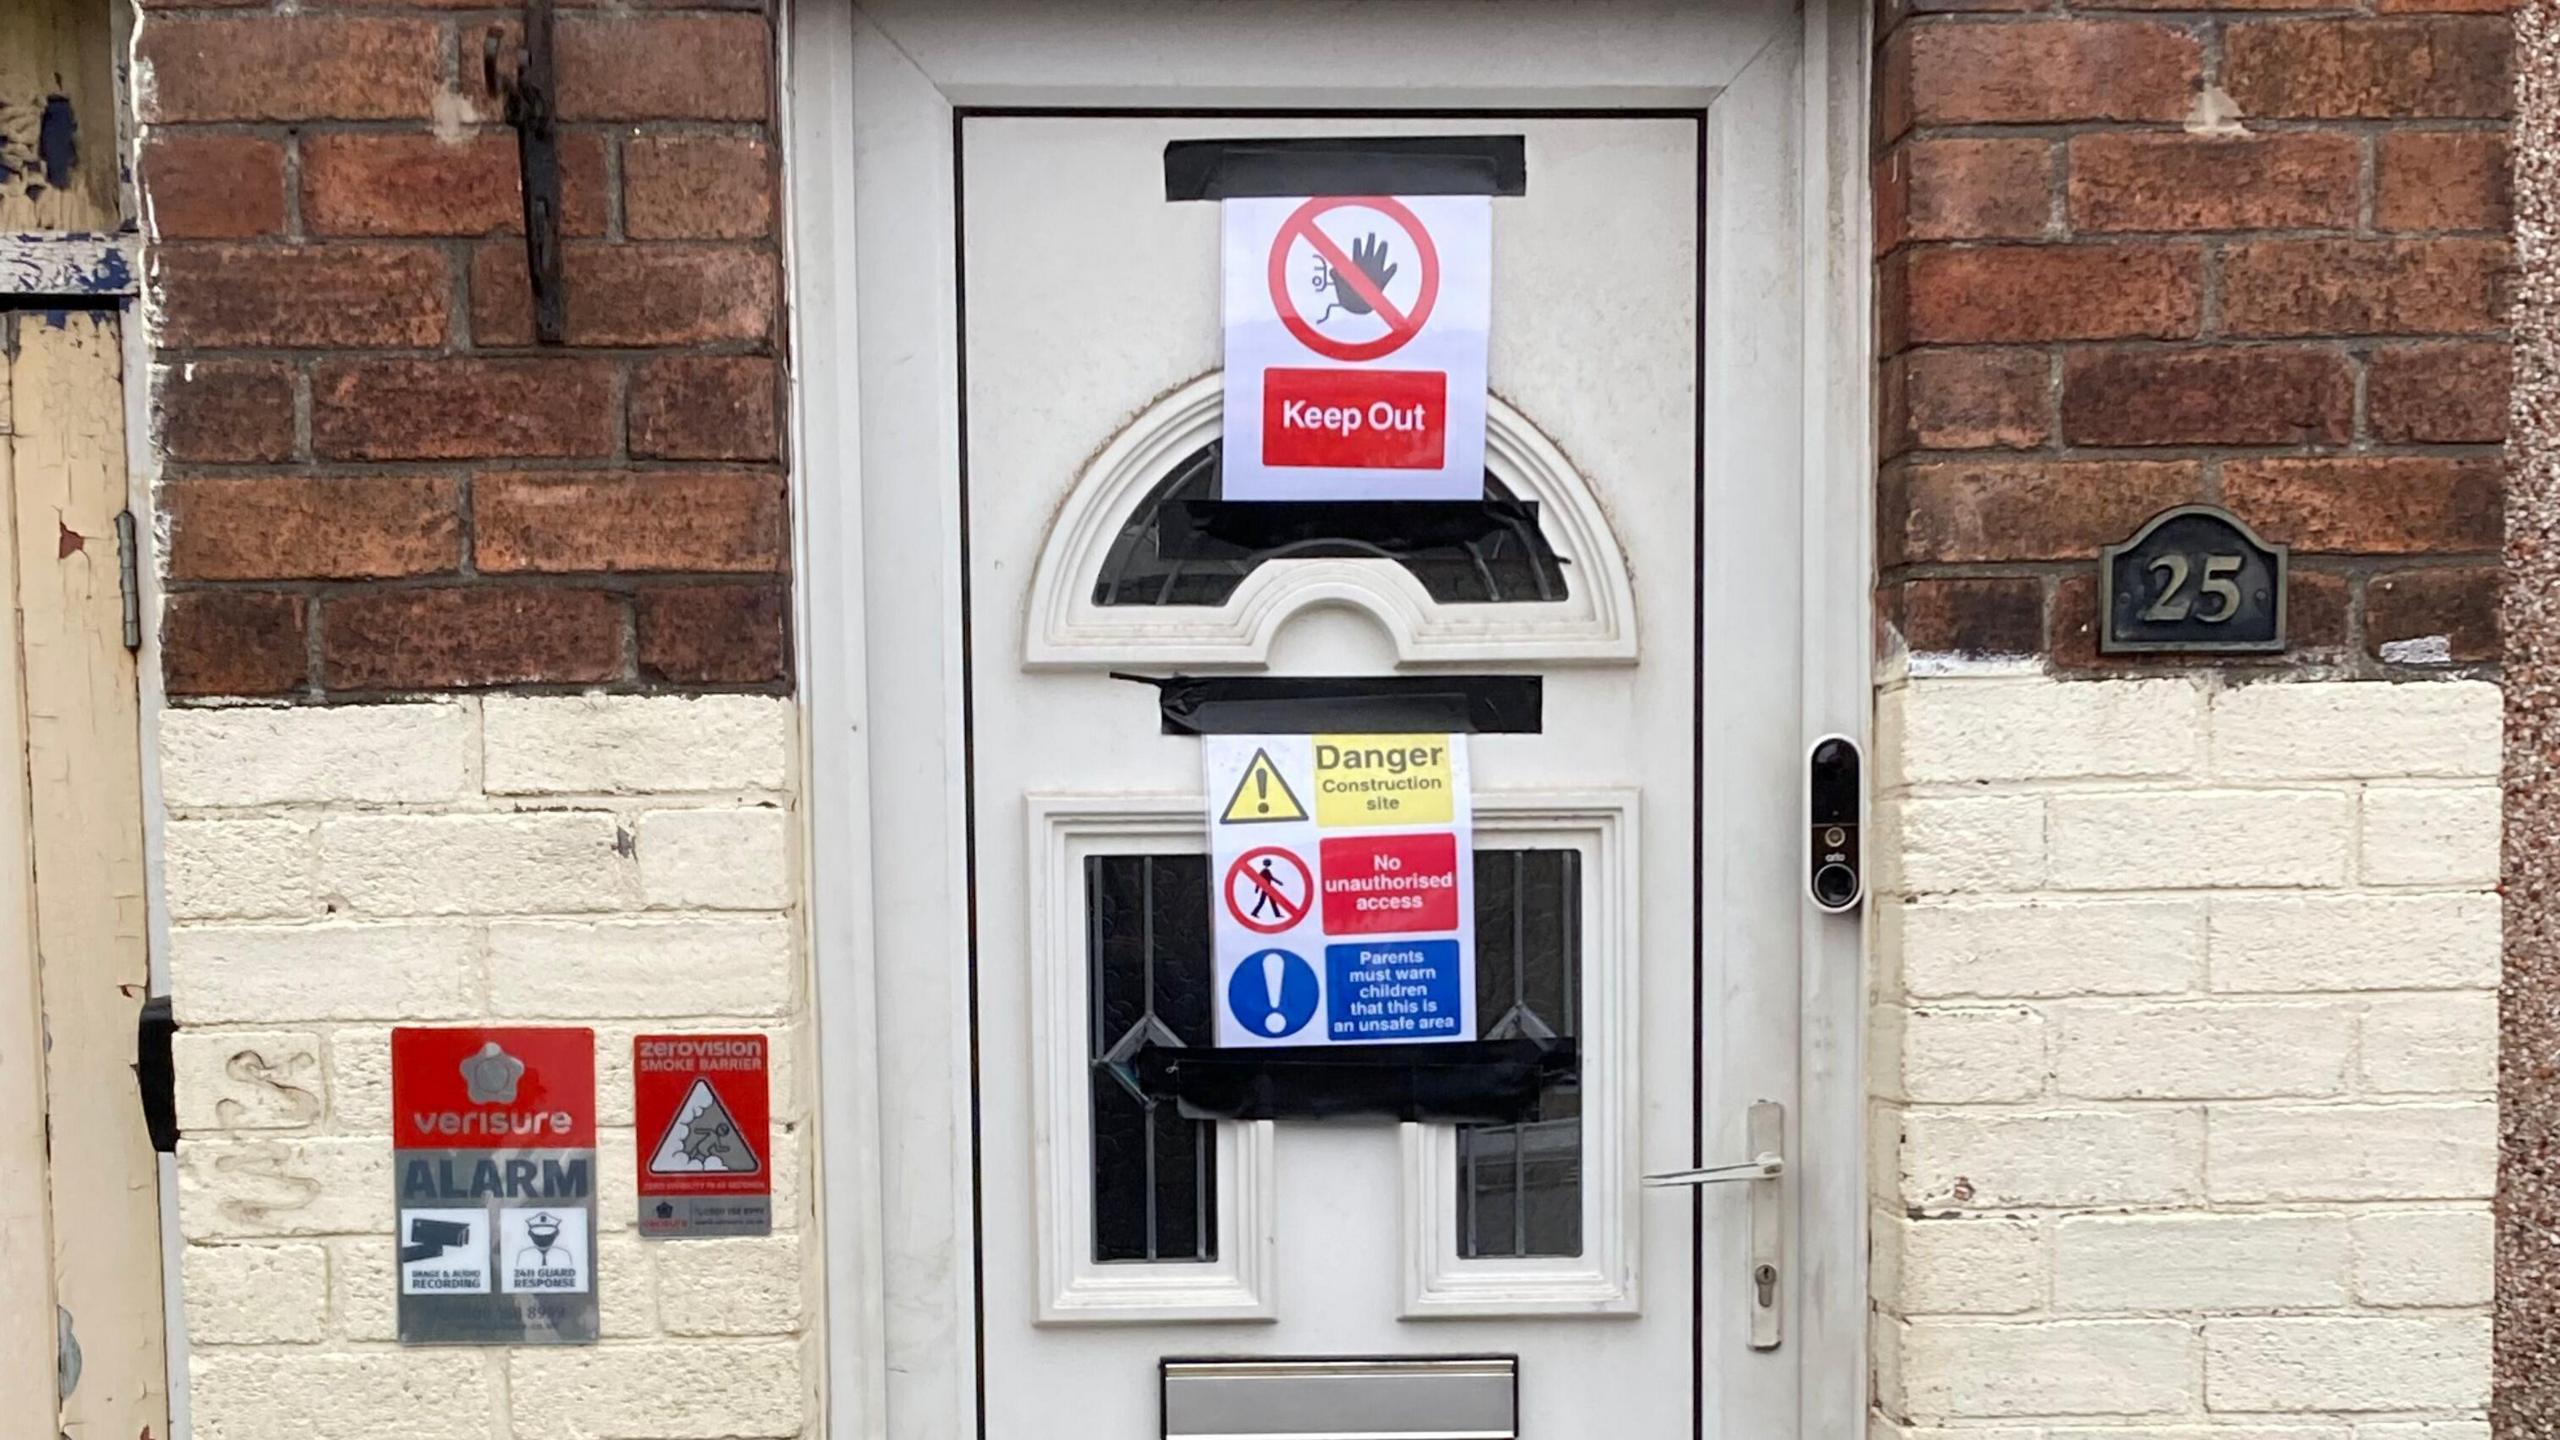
1064 627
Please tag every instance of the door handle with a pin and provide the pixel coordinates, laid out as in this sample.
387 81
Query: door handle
1767 1165
1764 1166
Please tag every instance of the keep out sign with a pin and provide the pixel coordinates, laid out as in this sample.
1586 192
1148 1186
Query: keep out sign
1356 347
1318 419
1346 888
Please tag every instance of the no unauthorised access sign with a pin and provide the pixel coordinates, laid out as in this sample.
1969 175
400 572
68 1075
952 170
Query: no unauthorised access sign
1356 347
705 1125
1360 909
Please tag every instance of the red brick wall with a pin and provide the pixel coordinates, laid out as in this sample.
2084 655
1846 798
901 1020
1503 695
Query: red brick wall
374 480
2230 254
2253 255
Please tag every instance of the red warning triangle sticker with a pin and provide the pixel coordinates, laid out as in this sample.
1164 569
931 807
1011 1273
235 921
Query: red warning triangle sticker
703 1139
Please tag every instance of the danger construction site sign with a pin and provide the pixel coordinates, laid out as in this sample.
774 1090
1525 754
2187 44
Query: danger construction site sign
1355 343
1345 888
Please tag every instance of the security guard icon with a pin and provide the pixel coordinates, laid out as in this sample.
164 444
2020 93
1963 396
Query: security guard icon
546 1252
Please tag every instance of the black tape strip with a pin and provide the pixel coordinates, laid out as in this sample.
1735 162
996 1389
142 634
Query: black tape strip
1468 1082
1348 704
1250 529
1345 165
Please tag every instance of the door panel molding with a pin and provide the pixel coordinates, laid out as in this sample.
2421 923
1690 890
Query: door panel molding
1072 1286
1603 825
1595 623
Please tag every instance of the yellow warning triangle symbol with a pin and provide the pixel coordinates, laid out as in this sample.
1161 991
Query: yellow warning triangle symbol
1262 797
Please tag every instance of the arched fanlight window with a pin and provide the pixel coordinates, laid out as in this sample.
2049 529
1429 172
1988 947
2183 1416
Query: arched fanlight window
1144 566
1509 561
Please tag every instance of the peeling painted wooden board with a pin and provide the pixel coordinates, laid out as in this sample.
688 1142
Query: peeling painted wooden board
26 1233
85 791
59 160
70 267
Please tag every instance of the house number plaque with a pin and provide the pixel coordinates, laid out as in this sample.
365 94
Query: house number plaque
2193 578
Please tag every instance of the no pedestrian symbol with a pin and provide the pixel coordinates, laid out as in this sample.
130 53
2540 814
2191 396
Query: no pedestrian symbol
1269 889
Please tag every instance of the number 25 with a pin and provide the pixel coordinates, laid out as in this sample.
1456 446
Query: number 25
2175 604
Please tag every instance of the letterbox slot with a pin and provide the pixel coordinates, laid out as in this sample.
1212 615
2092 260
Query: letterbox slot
1419 1397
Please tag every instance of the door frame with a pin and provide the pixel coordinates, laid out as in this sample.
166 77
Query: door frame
875 335
86 1227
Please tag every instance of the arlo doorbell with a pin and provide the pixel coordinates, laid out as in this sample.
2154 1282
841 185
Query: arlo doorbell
1834 875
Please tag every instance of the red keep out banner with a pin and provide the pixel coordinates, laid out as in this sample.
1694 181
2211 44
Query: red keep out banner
1382 419
1377 884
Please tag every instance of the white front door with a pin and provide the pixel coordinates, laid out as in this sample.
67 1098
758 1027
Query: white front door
1125 1233
1051 1235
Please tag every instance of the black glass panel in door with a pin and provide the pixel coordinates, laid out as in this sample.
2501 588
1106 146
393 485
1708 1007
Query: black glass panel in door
1155 1174
1520 1186
1506 563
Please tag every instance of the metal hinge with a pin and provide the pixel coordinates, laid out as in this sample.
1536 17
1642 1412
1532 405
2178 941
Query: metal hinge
129 578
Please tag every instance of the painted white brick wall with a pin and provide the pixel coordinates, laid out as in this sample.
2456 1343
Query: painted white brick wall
619 862
2182 1059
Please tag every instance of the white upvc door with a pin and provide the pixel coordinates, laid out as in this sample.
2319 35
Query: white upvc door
1034 378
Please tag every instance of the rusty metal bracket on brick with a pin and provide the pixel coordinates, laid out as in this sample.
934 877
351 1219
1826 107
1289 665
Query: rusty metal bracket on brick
526 85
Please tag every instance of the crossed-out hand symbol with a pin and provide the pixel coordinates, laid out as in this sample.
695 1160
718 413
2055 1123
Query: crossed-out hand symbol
1369 256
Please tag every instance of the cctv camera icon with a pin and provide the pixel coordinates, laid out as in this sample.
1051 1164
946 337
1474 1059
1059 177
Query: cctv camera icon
431 1238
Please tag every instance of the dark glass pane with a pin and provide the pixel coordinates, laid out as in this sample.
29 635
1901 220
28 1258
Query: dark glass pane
1147 946
1120 1125
1488 1195
1512 564
1183 943
1117 916
1182 1205
1520 1186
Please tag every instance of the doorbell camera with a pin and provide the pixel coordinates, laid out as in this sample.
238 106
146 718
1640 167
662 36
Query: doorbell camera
1834 874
